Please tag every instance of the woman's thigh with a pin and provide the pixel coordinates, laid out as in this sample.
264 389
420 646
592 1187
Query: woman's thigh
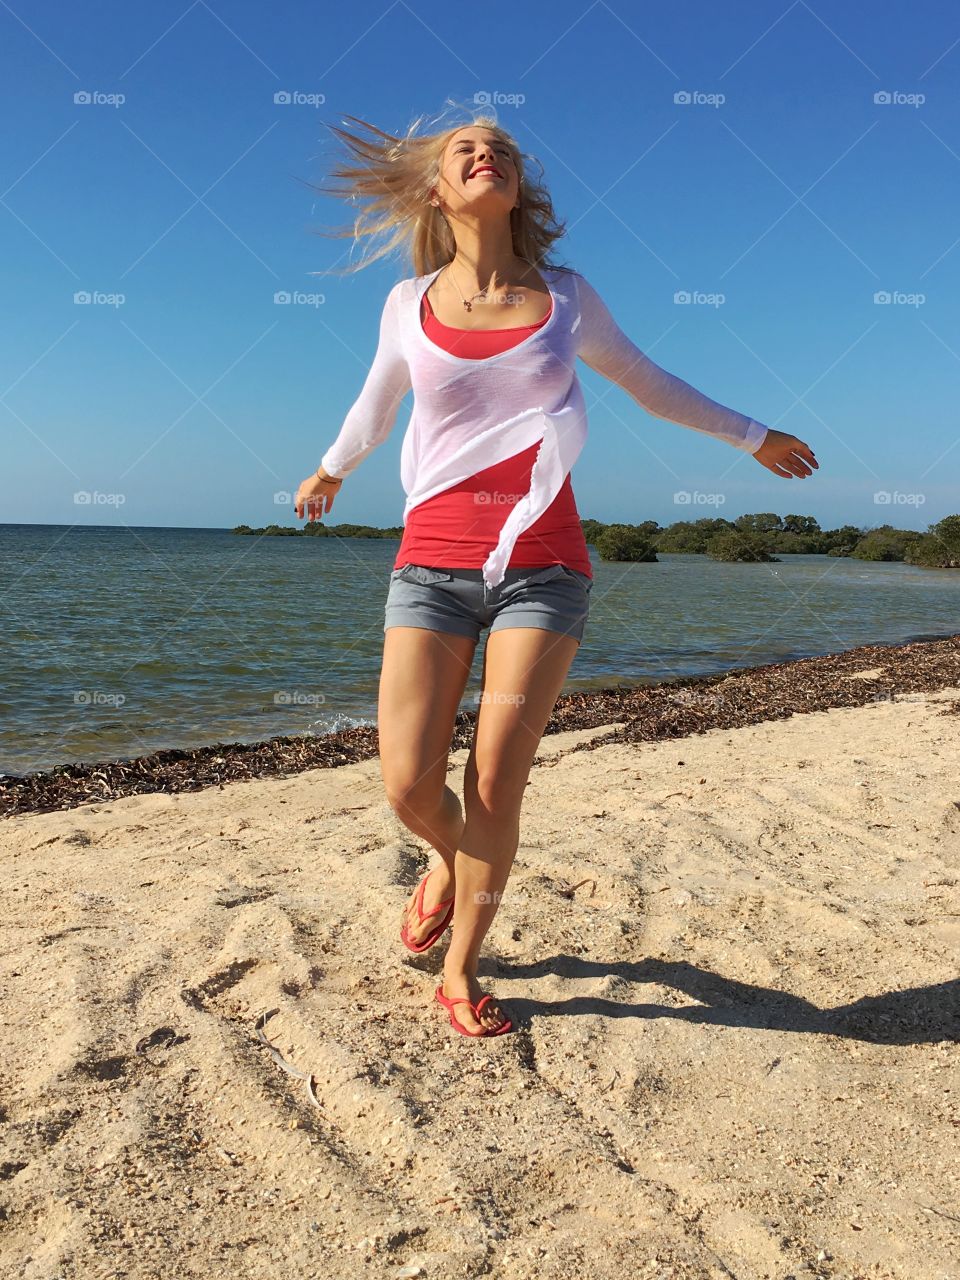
524 670
422 680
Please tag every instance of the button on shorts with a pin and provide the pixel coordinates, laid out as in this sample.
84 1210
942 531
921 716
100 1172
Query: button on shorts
553 598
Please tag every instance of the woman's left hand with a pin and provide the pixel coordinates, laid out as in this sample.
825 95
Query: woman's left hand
786 455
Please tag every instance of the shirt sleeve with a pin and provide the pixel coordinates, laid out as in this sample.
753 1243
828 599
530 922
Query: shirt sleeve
607 349
372 416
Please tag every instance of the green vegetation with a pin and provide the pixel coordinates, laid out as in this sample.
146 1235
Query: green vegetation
759 537
740 544
884 543
625 542
314 529
938 548
690 536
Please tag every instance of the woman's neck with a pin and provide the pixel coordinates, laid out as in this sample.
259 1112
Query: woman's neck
464 279
486 273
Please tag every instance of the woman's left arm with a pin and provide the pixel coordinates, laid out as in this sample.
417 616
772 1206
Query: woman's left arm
607 349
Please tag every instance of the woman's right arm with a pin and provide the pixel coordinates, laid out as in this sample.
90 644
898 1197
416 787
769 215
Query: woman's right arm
371 418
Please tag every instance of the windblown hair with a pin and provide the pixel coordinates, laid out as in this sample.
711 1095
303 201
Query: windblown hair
396 175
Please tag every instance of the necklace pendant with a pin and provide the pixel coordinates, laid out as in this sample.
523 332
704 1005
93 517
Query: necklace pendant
468 305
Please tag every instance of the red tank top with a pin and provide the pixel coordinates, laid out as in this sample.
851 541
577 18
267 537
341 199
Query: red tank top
458 528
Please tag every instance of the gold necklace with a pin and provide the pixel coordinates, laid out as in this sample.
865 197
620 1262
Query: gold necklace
468 306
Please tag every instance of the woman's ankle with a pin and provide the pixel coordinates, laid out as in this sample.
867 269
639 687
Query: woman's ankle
443 871
459 967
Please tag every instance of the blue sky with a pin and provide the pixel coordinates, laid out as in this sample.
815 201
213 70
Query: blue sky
782 186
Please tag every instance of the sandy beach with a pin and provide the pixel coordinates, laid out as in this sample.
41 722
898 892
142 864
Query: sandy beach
732 956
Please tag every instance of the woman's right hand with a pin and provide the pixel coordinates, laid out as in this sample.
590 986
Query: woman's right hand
316 494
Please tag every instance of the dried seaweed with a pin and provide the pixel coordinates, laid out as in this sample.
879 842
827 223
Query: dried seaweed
669 709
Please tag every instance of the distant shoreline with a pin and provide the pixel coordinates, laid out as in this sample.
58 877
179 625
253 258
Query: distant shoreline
758 537
665 710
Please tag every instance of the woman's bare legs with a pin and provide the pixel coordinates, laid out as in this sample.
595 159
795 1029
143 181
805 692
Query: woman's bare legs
524 669
422 680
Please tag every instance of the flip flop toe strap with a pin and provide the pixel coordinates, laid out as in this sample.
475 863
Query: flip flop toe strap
418 903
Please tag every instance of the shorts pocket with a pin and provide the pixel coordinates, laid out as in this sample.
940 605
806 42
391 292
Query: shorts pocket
536 576
583 578
420 573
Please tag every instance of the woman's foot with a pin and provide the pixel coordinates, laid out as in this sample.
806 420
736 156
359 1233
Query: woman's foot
492 1015
438 888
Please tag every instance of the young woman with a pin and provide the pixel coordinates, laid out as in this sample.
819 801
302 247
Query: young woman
486 333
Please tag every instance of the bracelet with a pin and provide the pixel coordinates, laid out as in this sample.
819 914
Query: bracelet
327 479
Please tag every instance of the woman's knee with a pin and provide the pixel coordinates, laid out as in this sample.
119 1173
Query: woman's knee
414 798
497 791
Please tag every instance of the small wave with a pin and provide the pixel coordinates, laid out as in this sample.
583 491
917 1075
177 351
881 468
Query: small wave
338 724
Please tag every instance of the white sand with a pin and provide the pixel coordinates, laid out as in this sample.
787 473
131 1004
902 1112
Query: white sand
738 1053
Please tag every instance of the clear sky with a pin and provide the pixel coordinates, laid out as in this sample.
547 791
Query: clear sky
781 195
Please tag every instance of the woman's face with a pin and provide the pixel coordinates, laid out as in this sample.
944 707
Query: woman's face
477 174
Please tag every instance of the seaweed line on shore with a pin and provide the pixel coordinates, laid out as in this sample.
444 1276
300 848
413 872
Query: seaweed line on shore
670 709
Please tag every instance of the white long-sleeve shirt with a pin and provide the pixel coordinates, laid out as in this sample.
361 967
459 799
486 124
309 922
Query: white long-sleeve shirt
472 414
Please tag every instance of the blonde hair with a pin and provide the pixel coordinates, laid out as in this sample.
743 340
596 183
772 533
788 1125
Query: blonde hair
396 175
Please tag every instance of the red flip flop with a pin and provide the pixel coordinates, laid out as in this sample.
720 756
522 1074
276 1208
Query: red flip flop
448 1002
426 943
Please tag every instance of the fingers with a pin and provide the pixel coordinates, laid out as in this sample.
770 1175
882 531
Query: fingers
801 458
798 461
787 468
311 507
315 505
793 463
795 467
787 457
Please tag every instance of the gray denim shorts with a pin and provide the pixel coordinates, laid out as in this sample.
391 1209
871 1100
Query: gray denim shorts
553 598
